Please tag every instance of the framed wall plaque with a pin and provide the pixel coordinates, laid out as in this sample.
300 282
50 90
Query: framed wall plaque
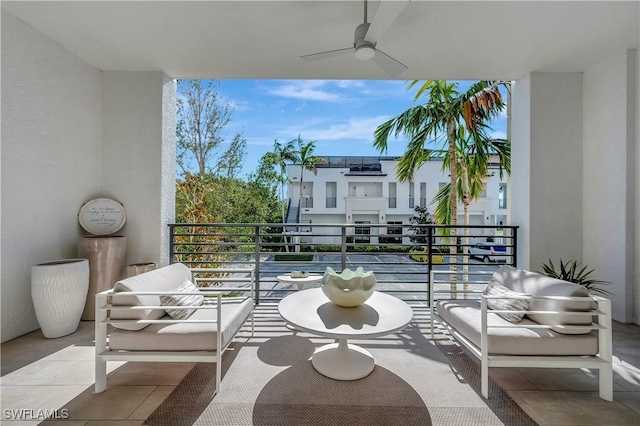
102 216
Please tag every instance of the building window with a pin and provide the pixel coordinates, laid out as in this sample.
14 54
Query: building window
394 233
362 232
331 191
423 194
392 195
412 200
502 196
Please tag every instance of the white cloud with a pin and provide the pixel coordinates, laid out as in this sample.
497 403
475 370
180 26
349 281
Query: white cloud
239 105
260 141
498 134
349 84
310 90
361 128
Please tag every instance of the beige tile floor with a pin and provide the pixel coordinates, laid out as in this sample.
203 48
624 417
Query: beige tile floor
49 374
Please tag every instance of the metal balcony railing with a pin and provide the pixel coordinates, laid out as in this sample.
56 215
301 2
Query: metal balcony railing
402 261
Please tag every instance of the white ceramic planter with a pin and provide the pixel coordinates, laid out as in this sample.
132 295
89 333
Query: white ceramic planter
59 290
348 289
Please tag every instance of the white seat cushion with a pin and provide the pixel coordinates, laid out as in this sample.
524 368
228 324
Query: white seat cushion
185 336
465 316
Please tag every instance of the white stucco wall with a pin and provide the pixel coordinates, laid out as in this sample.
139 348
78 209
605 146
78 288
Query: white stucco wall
71 133
609 186
520 179
137 170
50 160
575 185
547 167
636 293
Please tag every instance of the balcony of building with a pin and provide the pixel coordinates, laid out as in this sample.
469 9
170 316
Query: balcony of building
89 109
266 376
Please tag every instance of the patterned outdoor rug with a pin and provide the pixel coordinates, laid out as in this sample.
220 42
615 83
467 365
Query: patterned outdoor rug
269 380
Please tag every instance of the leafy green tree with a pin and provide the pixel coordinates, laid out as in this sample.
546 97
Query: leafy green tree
231 161
267 174
419 225
201 121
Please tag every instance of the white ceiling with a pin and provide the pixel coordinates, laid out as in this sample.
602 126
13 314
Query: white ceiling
264 39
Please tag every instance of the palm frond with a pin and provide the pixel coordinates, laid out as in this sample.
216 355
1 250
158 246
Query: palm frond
569 272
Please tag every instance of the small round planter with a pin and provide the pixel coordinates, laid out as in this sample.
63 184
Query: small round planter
140 268
59 290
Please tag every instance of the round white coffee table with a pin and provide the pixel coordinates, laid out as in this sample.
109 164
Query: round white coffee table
300 282
311 311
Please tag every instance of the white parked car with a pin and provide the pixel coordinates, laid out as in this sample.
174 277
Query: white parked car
489 252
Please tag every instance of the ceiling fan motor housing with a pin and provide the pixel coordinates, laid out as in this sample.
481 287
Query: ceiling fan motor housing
364 49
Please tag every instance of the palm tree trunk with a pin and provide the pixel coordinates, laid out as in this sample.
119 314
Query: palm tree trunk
284 219
451 135
465 241
453 258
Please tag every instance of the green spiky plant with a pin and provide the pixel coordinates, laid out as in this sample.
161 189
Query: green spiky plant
572 272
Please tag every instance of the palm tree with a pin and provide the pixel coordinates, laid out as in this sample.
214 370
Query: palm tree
305 156
442 118
285 153
472 171
472 168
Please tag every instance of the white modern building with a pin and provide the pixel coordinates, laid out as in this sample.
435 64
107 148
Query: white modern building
366 190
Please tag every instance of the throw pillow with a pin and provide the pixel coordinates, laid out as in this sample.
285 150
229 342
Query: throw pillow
184 300
495 289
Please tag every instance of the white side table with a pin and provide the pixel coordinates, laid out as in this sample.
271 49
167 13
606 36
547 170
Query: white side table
300 282
311 311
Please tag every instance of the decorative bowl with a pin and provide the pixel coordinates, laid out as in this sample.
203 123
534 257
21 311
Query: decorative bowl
349 288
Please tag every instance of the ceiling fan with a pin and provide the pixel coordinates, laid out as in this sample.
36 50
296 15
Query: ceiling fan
366 36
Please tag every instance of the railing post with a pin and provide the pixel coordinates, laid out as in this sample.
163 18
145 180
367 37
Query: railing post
430 263
343 248
256 260
172 228
514 230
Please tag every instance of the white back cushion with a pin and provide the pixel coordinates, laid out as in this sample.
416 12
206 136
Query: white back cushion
539 285
163 279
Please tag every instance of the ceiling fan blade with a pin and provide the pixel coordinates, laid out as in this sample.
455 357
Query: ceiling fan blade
387 12
392 66
327 54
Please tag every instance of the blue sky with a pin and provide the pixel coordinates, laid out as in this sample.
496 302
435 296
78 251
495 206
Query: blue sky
340 115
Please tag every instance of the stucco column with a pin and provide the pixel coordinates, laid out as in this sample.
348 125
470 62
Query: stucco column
138 157
546 180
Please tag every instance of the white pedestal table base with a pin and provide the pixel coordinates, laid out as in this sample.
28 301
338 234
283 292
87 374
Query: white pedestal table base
342 361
